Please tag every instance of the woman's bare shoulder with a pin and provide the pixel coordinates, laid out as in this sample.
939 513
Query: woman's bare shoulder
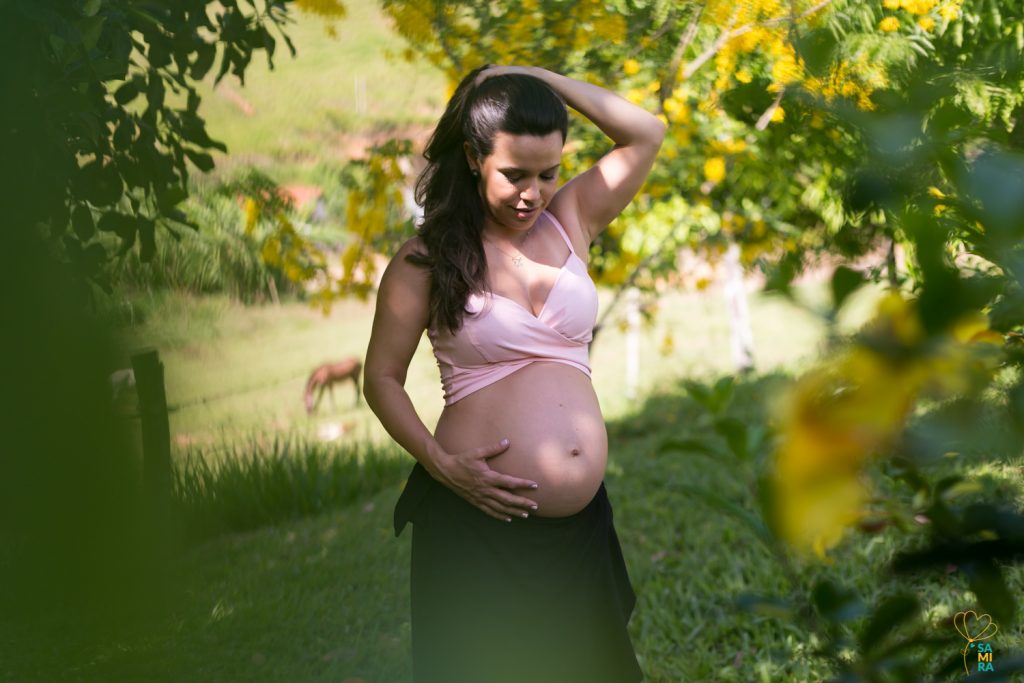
412 246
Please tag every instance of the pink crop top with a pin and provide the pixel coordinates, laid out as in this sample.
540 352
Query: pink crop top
499 336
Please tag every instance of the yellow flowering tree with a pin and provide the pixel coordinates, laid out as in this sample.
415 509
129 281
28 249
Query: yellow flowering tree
751 93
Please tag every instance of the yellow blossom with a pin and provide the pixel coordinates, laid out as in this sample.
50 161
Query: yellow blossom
936 192
891 4
949 12
743 76
778 115
714 169
252 214
889 24
667 345
631 67
926 23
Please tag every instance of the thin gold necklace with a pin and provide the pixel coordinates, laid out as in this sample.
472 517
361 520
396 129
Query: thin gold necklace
516 260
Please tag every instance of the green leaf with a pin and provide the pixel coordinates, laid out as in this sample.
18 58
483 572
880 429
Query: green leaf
845 282
98 184
205 54
155 91
767 606
170 196
126 93
987 582
698 392
892 612
91 29
835 603
147 242
93 257
91 7
202 160
817 47
118 223
722 393
158 55
82 222
179 216
735 434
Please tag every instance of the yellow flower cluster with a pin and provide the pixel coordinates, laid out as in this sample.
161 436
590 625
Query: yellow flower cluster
918 7
413 19
889 24
950 11
855 80
925 10
714 169
367 217
329 9
729 146
838 416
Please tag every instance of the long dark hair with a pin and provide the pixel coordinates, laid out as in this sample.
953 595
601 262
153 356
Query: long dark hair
453 212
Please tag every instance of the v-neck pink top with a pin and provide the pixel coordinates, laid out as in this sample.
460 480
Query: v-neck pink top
499 336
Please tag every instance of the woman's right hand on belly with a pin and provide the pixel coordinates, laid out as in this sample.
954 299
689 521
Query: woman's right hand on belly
468 474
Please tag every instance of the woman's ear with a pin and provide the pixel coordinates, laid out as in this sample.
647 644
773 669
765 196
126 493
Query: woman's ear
474 167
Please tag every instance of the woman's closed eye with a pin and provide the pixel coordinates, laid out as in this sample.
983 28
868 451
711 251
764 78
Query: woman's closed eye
516 178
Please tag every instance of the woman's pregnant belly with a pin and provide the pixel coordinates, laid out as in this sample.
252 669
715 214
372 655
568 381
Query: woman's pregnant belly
550 414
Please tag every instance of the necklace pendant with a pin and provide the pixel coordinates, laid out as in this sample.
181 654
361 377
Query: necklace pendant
517 260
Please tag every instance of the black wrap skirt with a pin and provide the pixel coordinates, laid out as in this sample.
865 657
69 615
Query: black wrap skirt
542 599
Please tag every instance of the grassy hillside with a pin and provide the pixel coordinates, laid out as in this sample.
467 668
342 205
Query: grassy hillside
327 101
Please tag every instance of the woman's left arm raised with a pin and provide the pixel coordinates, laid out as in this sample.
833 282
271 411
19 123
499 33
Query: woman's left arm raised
595 197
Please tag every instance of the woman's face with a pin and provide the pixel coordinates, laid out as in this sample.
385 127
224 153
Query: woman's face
519 178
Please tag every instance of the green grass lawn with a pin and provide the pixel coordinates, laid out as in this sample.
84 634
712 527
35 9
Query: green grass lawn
325 598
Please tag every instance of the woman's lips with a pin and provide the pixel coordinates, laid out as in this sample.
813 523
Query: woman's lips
523 213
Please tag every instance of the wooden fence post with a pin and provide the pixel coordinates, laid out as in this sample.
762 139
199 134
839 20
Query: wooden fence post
156 431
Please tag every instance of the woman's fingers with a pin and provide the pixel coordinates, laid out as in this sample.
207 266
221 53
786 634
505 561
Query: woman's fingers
490 491
513 502
503 506
506 481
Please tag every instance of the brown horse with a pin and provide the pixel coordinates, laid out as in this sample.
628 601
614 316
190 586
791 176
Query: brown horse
327 375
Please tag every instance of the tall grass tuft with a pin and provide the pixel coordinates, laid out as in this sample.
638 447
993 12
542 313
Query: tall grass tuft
237 487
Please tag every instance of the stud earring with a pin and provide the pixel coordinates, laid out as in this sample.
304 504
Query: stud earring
475 173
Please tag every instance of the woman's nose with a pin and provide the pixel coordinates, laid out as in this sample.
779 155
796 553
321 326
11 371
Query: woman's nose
530 193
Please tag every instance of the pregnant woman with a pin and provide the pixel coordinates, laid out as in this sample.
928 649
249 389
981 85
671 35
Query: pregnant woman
517 573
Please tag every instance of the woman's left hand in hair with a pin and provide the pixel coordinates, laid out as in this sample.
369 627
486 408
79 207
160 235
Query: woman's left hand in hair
499 70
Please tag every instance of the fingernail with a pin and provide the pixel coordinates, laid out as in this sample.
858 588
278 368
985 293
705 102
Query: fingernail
533 507
525 515
533 486
508 519
504 442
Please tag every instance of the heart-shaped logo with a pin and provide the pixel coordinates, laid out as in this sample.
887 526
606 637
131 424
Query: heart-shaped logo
973 628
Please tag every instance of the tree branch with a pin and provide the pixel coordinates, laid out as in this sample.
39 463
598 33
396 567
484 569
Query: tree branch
728 35
669 84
